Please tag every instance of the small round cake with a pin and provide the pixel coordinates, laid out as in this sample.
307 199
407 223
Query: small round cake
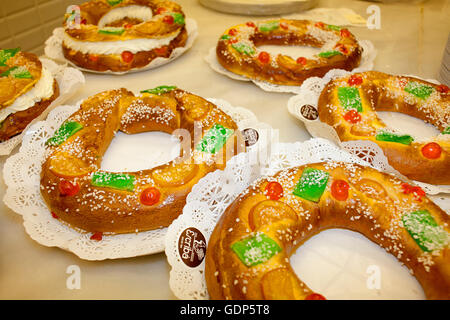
120 35
27 88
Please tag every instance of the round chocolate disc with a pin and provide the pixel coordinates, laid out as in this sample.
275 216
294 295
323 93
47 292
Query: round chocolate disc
309 112
192 247
251 136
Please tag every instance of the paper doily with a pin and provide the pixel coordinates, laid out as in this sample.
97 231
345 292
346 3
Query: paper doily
69 81
367 59
309 93
217 190
53 49
22 177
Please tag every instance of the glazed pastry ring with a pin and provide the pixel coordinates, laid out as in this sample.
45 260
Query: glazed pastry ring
247 256
78 193
120 35
349 105
237 50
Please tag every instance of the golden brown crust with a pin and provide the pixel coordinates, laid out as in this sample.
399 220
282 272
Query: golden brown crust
161 26
383 92
12 87
283 69
16 122
375 206
97 208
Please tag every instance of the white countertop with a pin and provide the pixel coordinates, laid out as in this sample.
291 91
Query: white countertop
411 41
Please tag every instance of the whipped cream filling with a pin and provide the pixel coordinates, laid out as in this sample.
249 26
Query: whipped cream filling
43 89
133 11
116 47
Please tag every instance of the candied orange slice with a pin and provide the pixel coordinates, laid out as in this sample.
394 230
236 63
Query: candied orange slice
372 189
268 212
172 175
64 165
198 112
280 284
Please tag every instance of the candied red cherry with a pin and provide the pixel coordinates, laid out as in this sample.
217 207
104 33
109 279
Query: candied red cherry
443 88
232 32
345 33
127 56
418 193
403 83
319 24
342 48
355 80
68 188
97 236
274 190
128 26
406 188
251 24
339 190
150 196
168 19
161 51
284 25
264 57
160 10
301 60
431 150
315 296
352 116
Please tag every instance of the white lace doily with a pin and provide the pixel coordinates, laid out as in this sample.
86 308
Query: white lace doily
367 59
309 93
69 81
22 178
216 191
53 49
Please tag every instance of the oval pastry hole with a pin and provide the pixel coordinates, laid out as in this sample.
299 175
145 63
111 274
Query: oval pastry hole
267 212
174 175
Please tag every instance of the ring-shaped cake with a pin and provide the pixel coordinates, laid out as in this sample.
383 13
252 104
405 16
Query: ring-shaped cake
79 193
120 35
248 252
